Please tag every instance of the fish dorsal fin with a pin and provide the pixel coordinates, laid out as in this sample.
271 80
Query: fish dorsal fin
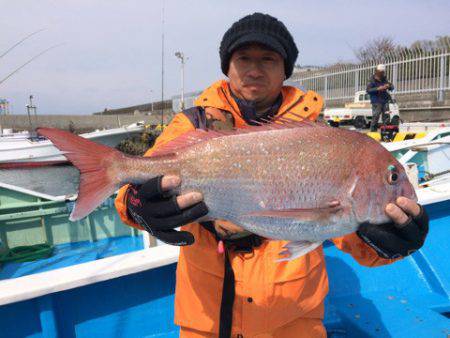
199 135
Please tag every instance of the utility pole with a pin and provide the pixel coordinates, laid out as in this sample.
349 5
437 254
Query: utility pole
162 66
31 108
180 55
151 101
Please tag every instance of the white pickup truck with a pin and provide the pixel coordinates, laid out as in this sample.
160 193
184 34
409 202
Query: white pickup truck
358 113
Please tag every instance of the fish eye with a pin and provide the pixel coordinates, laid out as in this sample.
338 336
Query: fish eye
392 177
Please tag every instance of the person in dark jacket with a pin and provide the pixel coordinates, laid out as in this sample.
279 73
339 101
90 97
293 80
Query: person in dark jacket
377 88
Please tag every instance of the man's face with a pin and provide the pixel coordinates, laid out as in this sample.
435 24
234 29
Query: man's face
379 74
256 73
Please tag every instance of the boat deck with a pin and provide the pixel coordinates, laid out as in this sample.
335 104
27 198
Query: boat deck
132 295
69 254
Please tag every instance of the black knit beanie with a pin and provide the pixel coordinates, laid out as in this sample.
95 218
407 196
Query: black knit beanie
263 29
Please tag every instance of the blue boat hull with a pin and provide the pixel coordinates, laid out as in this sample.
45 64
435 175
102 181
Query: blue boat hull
407 299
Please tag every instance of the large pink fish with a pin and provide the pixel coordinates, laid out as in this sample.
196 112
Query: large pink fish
293 181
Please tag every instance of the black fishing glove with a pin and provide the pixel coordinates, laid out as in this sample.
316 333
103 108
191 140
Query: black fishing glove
159 214
391 240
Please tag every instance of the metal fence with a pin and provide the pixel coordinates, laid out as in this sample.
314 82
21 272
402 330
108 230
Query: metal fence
410 72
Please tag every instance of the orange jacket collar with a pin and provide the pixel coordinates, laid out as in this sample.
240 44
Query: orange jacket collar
218 96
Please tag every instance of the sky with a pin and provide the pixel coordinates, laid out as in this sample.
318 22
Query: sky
110 55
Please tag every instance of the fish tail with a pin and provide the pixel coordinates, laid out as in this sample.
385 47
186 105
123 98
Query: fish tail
99 167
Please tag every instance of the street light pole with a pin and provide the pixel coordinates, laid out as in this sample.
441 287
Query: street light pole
33 107
180 55
30 107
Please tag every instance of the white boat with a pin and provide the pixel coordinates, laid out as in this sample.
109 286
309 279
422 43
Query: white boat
10 134
417 127
24 150
435 145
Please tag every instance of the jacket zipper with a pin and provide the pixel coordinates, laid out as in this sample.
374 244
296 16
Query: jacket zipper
285 111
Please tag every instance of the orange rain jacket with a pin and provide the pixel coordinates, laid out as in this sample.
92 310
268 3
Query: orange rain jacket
270 296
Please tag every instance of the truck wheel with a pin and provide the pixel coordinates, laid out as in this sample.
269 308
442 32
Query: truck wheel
395 121
333 123
359 122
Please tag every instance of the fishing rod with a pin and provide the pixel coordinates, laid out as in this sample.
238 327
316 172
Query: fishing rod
20 42
429 176
29 61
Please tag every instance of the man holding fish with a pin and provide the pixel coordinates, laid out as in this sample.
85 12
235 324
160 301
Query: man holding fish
256 188
257 54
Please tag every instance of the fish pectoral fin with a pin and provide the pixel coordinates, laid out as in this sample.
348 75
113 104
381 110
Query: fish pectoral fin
309 214
296 249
